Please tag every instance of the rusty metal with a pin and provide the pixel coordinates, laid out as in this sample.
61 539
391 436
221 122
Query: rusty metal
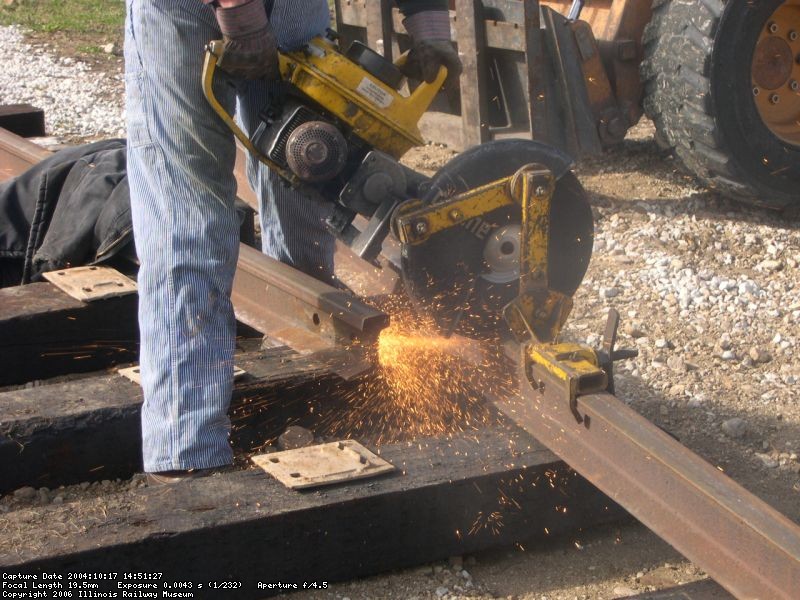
536 72
772 62
470 30
17 154
322 464
302 312
743 543
91 283
581 89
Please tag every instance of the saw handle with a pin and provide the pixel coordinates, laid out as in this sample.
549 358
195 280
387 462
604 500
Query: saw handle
425 92
213 52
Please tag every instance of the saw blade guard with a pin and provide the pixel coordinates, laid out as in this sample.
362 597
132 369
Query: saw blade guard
463 276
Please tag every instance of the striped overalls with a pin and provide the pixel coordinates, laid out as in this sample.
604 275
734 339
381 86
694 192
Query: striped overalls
180 169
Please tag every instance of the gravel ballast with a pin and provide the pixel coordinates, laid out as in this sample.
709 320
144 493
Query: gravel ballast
78 103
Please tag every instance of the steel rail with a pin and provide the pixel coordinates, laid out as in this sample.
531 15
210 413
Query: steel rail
747 546
304 313
275 299
17 154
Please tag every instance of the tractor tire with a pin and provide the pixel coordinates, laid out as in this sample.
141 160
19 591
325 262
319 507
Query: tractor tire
701 91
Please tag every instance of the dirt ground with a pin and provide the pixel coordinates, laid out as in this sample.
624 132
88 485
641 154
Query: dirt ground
708 292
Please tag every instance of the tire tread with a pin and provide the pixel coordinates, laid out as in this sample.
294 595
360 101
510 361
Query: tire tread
679 41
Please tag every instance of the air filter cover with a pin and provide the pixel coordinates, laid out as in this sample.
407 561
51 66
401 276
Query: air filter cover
316 151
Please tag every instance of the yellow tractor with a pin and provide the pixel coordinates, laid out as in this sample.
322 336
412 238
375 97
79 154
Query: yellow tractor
719 78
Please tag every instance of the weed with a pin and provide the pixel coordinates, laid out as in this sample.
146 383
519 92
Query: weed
101 18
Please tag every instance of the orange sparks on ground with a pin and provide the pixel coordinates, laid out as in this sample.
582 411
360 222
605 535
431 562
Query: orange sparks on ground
492 521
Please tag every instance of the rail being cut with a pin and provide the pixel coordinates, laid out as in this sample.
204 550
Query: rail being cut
449 497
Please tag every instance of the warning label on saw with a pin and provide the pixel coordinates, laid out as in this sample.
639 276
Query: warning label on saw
374 93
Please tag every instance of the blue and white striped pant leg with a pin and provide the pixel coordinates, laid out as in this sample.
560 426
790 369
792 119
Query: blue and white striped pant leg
180 163
292 226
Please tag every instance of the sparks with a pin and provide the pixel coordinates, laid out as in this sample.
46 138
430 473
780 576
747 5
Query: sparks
425 384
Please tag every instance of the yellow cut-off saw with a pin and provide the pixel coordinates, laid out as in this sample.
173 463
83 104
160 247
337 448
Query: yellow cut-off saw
502 233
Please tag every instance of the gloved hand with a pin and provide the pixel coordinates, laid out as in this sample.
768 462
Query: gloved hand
249 47
431 47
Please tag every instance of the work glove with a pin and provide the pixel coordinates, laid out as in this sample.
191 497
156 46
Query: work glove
431 47
249 48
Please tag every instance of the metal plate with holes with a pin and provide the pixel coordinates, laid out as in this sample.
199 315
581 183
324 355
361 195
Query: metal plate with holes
135 375
91 283
323 464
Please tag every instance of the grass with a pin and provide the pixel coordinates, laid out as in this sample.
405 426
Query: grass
96 18
89 49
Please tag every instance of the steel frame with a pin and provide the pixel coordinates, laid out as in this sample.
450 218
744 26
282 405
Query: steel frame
521 79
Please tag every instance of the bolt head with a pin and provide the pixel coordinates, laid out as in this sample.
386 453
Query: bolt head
455 215
792 36
421 227
774 99
772 27
794 85
756 91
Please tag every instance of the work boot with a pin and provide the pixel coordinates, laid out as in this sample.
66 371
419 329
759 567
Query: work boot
173 477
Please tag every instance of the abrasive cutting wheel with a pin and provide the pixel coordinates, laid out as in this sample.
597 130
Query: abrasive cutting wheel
463 277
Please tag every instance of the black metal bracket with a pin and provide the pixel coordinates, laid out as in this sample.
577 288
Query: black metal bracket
609 355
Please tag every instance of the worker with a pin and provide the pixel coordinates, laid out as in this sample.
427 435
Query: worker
180 169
